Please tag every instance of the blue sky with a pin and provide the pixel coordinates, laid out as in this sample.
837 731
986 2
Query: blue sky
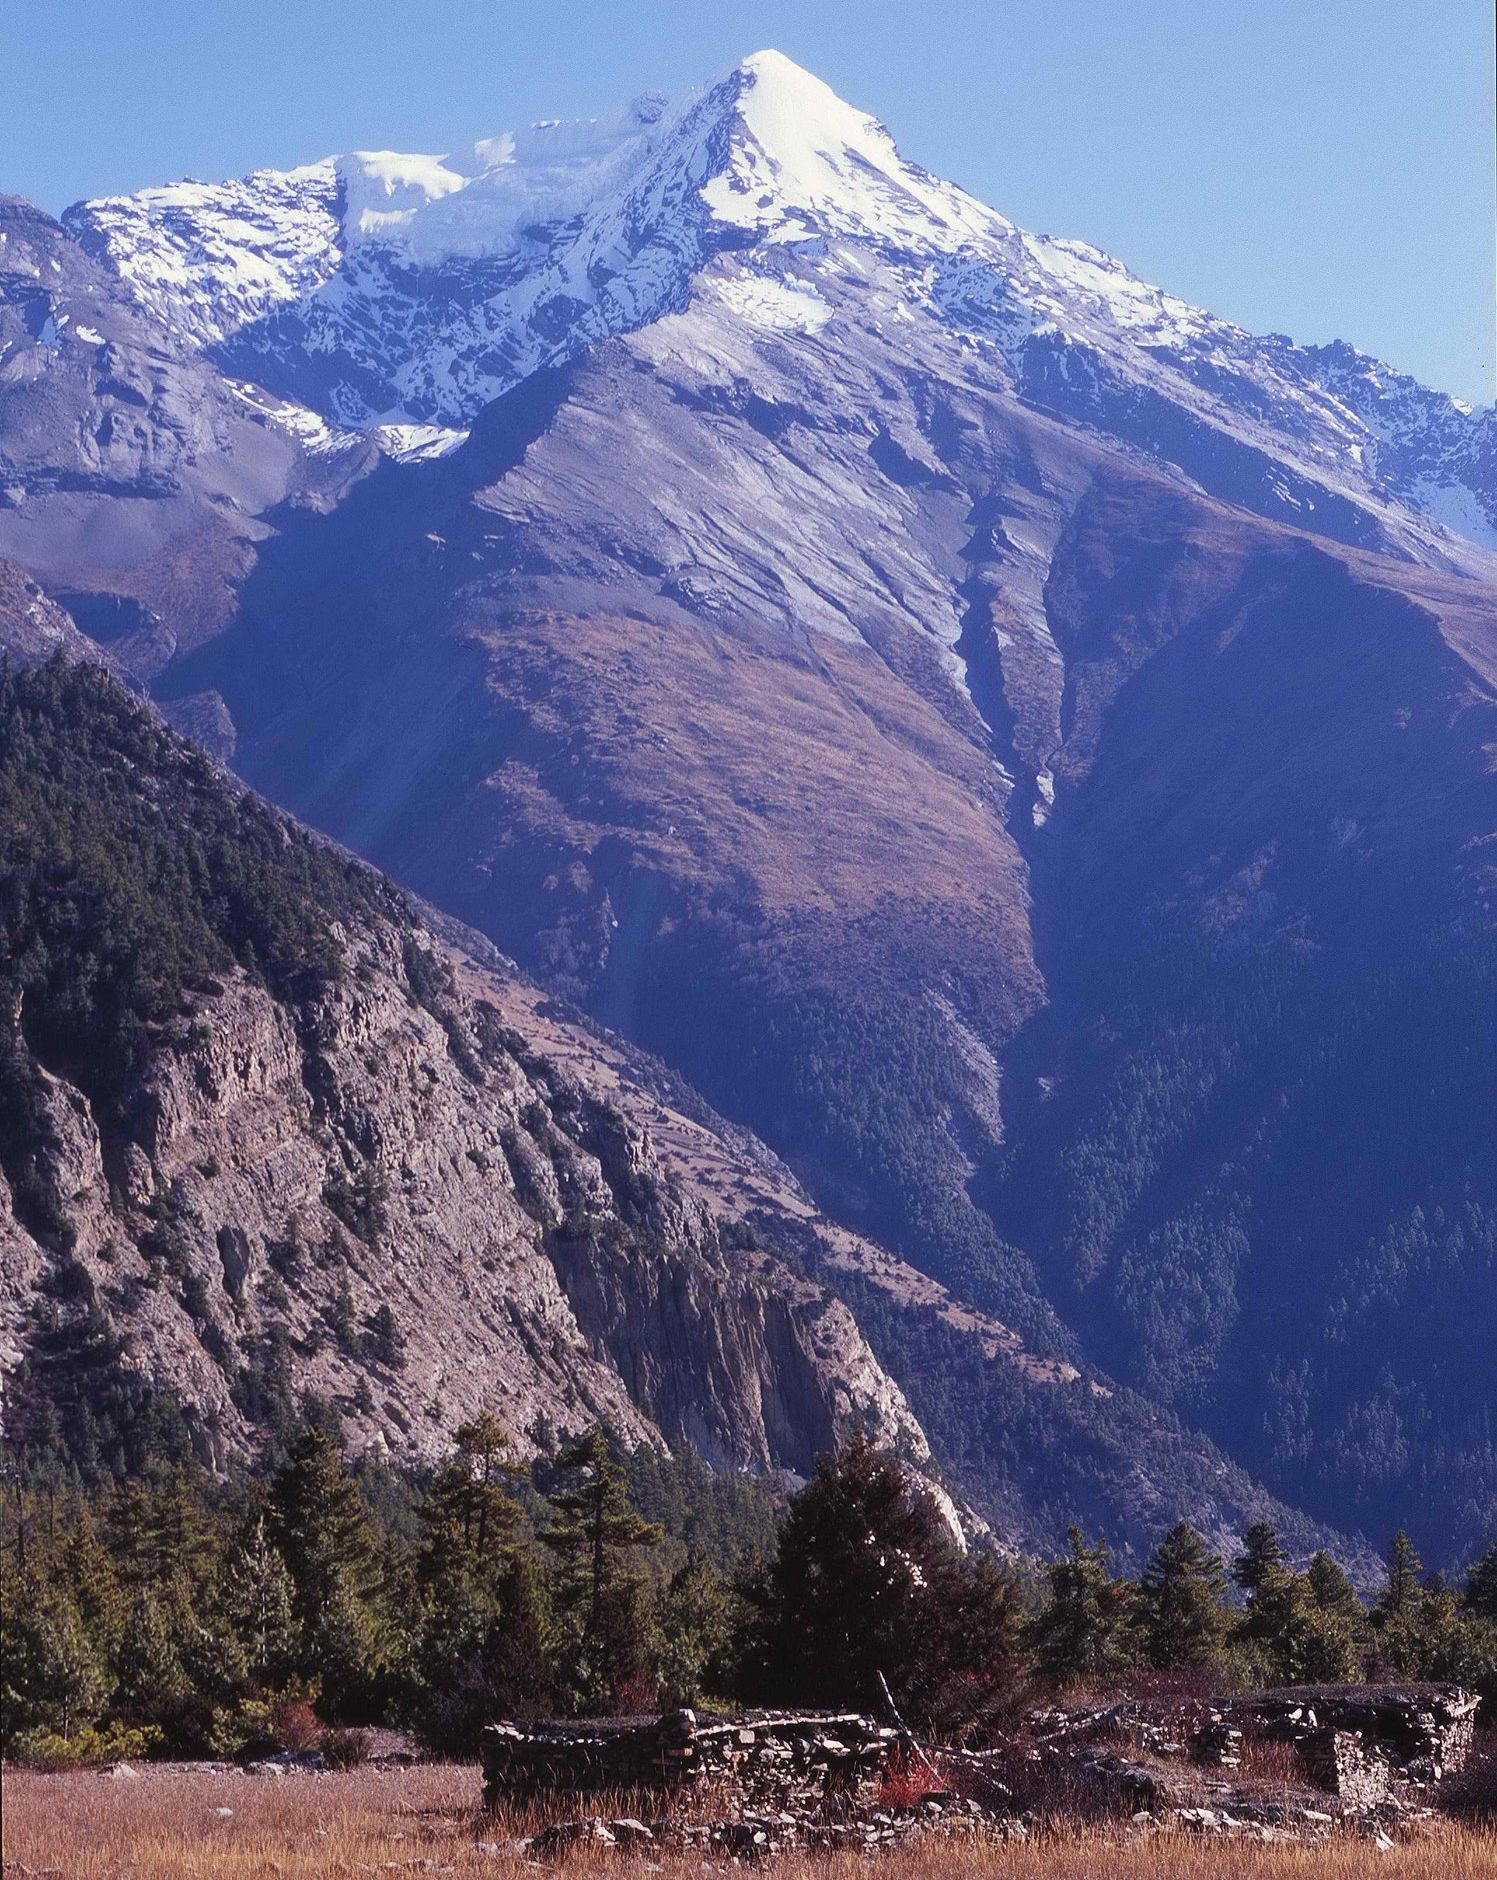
1317 167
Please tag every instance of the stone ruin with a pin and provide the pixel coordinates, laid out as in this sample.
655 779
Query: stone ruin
1364 1748
769 1782
761 1785
800 1758
1418 1733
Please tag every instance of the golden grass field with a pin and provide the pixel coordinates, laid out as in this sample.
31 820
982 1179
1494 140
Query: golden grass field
170 1823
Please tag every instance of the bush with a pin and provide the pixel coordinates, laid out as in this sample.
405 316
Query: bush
344 1749
85 1748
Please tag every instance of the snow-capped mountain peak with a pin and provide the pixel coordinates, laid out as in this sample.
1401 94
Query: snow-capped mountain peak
768 151
800 155
382 289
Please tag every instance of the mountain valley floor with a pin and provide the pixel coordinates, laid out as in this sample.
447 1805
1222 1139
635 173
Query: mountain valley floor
170 1822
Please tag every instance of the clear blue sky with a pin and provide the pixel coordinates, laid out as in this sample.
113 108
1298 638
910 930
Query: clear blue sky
1317 167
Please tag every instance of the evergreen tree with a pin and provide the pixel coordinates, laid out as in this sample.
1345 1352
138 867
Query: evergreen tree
160 1530
1082 1634
595 1536
1291 1639
1332 1591
386 1342
316 1519
152 1681
468 1511
521 1650
1181 1607
1261 1556
1402 1596
88 1574
52 1679
693 1623
1481 1586
260 1603
839 1603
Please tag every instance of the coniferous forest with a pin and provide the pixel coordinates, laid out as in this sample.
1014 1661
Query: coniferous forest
173 1613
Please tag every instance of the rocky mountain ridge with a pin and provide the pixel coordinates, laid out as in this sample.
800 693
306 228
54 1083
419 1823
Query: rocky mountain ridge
381 288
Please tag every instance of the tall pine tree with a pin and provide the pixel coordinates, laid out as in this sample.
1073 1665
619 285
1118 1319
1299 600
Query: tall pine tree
595 1536
1181 1609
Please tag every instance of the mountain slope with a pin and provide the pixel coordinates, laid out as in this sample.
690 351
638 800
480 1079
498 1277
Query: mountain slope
260 1138
133 476
258 1141
1020 744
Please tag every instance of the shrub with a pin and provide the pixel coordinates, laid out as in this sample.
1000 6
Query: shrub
295 1724
344 1749
83 1748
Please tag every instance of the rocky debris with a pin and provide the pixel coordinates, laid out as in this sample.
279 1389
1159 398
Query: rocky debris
288 1762
760 1834
562 1837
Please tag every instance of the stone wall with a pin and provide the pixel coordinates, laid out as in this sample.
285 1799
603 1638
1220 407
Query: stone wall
788 1761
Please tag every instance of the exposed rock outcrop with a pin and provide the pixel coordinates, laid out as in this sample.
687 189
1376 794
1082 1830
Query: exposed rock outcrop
287 1179
305 1158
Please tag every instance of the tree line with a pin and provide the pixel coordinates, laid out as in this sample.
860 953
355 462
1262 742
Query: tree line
165 1614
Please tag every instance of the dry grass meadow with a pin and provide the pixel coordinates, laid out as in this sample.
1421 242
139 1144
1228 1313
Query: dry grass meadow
166 1824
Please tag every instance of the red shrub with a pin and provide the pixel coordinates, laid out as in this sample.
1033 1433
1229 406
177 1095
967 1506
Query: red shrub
294 1724
907 1781
636 1695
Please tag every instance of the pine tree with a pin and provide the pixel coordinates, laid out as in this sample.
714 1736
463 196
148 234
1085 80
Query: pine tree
52 1679
316 1519
160 1532
520 1659
1082 1634
88 1574
1480 1594
1291 1639
693 1623
260 1604
468 1510
595 1535
1331 1590
1402 1596
841 1601
152 1681
386 1341
1261 1556
1181 1610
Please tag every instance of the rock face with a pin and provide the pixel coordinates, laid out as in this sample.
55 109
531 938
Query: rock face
289 1179
375 1189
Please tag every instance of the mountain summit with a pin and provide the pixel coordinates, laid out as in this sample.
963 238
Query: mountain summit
384 291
